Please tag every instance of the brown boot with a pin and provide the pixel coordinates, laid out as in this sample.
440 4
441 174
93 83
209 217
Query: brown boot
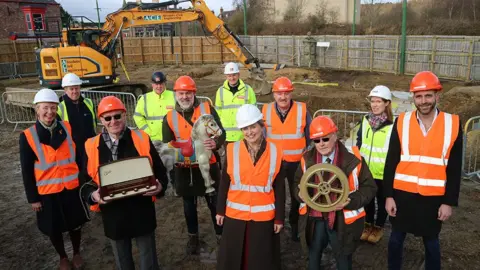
366 232
77 262
376 235
64 264
192 244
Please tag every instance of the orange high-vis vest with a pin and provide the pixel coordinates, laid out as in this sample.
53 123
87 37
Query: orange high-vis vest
140 141
350 216
55 169
424 159
289 135
182 129
251 195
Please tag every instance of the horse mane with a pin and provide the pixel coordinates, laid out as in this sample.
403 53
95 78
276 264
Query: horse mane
201 120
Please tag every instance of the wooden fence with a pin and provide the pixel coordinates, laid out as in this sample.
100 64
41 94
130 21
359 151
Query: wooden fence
449 57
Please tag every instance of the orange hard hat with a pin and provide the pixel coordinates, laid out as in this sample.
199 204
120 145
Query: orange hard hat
185 83
322 126
110 103
282 84
425 80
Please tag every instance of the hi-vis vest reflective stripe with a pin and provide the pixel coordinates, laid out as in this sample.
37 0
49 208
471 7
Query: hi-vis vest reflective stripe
55 169
349 215
151 113
424 159
374 147
182 129
227 105
63 113
251 195
289 135
140 141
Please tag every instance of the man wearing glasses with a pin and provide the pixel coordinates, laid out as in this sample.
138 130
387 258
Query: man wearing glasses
287 123
342 227
132 217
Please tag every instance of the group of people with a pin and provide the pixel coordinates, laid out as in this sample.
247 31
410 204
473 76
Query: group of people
407 168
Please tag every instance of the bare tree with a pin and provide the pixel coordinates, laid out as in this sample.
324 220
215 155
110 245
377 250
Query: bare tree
474 13
295 10
371 9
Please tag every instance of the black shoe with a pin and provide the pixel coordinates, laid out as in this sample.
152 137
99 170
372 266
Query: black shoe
295 233
192 244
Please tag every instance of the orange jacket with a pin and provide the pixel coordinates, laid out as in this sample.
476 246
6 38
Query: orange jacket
251 196
289 135
55 169
182 129
349 215
424 159
141 142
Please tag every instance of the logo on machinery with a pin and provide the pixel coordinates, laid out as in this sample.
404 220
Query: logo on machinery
152 18
64 66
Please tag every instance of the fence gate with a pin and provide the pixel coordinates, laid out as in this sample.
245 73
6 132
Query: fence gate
471 148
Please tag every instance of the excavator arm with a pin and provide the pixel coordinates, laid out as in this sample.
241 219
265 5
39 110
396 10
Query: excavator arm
124 19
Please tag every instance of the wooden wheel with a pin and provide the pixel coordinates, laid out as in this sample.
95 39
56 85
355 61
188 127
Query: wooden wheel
316 194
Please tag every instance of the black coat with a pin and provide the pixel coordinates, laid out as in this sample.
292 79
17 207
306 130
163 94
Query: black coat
81 121
61 211
185 176
418 214
132 216
263 245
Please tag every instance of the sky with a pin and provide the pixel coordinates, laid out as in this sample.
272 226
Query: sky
87 7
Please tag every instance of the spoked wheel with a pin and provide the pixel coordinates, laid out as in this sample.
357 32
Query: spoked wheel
316 194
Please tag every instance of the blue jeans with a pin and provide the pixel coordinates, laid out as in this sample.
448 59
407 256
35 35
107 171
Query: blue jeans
395 251
122 250
322 236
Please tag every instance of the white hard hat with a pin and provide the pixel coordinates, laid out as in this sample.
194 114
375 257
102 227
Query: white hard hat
247 115
71 79
231 68
45 95
381 91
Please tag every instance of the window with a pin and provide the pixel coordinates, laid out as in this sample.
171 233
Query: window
29 21
38 21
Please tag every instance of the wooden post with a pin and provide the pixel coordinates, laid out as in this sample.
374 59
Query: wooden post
201 50
181 49
434 52
470 61
161 50
221 54
346 54
372 44
278 51
15 50
293 50
256 46
141 49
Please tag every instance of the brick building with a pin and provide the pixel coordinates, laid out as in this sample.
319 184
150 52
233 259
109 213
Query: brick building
29 17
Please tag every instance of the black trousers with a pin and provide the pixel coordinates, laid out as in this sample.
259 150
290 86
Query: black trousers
380 212
290 169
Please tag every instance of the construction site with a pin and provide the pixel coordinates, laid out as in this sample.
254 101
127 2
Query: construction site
333 80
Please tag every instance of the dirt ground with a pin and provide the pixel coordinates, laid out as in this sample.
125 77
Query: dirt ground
22 246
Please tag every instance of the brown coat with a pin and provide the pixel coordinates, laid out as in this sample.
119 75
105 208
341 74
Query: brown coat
348 235
262 244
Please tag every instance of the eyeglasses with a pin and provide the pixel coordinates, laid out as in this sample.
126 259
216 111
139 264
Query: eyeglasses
116 117
322 139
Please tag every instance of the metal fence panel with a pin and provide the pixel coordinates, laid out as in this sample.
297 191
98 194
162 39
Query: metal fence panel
7 70
25 69
471 148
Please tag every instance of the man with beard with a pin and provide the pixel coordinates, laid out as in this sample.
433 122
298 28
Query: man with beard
422 172
287 123
189 182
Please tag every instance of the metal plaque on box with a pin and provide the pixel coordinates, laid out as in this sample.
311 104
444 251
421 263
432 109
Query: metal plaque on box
126 177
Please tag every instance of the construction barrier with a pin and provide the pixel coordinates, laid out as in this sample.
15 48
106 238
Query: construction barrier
203 99
25 69
19 109
7 70
471 148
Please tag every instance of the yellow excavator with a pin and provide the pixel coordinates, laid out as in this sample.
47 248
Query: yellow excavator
93 59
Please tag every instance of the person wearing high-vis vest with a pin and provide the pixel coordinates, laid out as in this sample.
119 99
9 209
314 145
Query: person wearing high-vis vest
373 138
153 106
50 177
287 124
189 183
342 227
251 199
422 171
78 111
229 97
131 217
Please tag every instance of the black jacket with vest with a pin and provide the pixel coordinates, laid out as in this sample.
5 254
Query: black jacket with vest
129 217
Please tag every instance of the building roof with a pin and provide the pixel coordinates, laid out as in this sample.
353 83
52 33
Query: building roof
33 1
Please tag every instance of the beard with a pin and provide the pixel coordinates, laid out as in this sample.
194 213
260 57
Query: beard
185 105
426 108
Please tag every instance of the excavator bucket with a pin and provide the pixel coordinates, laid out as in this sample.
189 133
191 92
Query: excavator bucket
259 82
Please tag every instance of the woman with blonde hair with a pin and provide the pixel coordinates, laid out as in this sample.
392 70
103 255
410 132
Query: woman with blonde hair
373 139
